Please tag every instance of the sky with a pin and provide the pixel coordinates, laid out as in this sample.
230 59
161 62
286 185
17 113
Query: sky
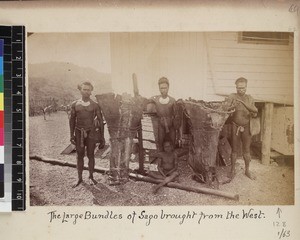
83 49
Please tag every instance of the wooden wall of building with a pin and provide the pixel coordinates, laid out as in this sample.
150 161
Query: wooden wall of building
202 65
269 68
181 57
205 66
283 130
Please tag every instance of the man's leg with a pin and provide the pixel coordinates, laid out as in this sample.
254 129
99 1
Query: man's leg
234 145
246 141
90 148
155 174
161 137
80 157
172 134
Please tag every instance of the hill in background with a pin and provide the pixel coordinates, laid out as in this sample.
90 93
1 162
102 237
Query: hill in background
59 80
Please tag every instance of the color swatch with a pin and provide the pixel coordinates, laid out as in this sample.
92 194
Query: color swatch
1 121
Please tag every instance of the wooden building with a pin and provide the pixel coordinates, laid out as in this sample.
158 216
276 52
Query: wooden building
205 65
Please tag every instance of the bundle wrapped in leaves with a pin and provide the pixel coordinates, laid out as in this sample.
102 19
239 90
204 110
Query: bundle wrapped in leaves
205 120
123 115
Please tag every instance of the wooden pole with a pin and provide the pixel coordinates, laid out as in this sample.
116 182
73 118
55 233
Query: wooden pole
139 177
135 85
140 130
267 133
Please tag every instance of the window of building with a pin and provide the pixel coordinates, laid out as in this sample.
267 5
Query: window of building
279 38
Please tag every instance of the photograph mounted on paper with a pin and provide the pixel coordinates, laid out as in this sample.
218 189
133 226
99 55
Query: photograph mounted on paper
161 118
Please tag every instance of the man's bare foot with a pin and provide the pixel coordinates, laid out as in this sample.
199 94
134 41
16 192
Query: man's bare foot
198 178
176 180
226 180
92 181
77 184
250 175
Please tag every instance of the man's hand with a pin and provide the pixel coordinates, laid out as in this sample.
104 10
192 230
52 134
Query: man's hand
72 140
254 115
101 144
241 101
170 172
161 171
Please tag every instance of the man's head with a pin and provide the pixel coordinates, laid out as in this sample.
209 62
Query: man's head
241 86
163 84
168 146
86 89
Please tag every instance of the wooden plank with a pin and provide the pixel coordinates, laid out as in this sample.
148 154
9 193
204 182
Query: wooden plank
274 61
259 90
255 75
231 36
250 52
231 67
267 133
70 148
281 99
233 43
120 62
286 99
254 82
283 130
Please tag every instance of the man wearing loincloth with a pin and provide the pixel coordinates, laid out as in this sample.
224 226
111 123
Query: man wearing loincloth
167 162
244 110
83 131
165 109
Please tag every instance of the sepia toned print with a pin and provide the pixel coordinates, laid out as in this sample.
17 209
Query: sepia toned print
162 150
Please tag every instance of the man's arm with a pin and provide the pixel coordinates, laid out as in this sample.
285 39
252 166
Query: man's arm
72 123
154 156
159 168
176 160
175 165
250 106
230 101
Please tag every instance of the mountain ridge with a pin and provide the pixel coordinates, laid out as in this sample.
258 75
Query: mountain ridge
59 80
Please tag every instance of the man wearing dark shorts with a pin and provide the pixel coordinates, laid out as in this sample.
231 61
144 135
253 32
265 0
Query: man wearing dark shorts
244 110
82 129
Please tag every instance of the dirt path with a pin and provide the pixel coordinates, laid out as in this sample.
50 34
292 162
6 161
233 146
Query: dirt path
51 185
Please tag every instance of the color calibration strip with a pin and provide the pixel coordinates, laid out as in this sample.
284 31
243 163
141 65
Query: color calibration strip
1 121
14 117
5 202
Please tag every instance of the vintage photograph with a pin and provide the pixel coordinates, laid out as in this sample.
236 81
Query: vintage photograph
161 118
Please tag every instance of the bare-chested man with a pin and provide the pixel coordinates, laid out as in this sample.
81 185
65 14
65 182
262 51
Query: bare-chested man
167 162
82 129
165 107
244 110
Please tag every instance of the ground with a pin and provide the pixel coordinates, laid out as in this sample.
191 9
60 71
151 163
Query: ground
51 184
